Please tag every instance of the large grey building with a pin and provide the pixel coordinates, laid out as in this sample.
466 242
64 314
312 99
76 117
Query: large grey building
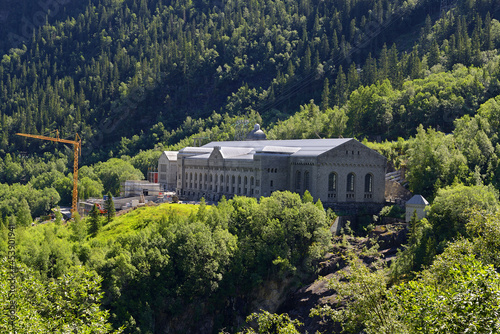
342 172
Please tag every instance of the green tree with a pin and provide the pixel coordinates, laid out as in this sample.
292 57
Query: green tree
78 228
457 294
109 207
268 323
24 214
70 303
115 171
450 209
93 221
434 162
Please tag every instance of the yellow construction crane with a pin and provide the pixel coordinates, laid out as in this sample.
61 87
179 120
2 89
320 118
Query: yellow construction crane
77 143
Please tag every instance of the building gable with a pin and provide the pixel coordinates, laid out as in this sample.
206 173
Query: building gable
353 152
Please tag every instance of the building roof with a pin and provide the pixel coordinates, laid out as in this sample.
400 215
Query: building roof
171 155
294 147
231 152
417 200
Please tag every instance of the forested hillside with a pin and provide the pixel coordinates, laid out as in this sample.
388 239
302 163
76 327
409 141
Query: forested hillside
116 68
417 82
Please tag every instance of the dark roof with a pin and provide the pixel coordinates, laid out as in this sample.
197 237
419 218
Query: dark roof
417 200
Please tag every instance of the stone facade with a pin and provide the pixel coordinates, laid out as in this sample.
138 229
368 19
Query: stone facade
343 173
167 170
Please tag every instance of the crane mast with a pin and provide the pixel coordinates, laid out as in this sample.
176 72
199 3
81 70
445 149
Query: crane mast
77 143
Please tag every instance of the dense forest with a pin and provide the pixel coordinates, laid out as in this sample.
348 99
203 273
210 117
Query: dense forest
416 81
116 69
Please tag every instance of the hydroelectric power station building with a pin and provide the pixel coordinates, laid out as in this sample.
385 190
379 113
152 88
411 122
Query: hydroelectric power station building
342 172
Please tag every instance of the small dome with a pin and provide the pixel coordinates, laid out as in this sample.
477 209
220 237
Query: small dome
256 134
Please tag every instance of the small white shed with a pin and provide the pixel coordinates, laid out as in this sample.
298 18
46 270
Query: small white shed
417 203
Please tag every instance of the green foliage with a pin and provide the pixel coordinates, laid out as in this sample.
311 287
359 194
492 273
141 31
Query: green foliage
457 294
109 207
394 211
24 214
272 324
434 162
94 221
58 216
69 303
310 122
484 230
363 292
449 212
115 171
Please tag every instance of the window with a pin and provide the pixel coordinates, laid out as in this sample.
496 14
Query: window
163 168
332 182
350 182
271 183
368 183
251 181
298 180
306 180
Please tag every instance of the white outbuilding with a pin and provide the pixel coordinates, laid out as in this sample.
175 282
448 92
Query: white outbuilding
417 203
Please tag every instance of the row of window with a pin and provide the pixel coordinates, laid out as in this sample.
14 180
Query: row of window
204 181
351 181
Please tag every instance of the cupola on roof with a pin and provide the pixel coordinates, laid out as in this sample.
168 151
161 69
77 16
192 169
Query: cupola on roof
256 134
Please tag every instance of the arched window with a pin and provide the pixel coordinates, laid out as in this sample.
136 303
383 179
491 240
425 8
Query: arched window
306 180
298 181
368 183
350 182
221 179
251 181
216 178
332 182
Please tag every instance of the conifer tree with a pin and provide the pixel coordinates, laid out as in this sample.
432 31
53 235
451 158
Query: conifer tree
24 213
109 206
325 96
94 221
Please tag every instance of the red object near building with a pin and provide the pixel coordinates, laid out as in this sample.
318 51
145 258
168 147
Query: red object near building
153 177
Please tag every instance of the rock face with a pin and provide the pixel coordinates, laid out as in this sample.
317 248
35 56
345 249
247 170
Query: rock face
299 302
293 295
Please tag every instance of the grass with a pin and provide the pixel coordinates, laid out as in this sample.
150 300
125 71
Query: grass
139 218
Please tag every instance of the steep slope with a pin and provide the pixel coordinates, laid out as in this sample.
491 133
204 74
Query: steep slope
121 67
